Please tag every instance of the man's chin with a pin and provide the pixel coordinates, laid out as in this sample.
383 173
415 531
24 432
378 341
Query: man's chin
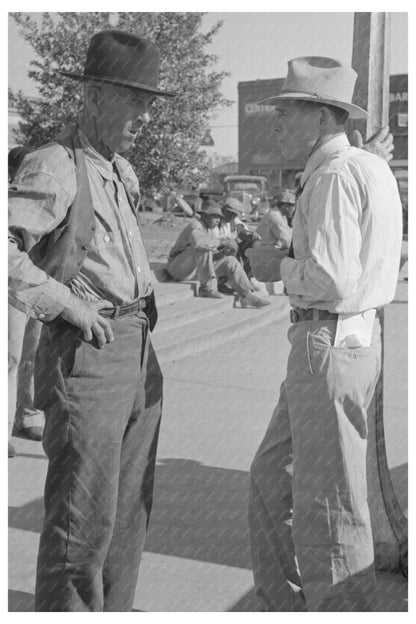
125 145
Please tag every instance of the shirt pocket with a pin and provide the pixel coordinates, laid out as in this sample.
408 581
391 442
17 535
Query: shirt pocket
104 240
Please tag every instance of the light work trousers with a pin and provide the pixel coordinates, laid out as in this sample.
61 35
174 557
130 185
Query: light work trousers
102 411
200 264
310 531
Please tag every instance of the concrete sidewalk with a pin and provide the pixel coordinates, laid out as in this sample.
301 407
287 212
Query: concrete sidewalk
217 406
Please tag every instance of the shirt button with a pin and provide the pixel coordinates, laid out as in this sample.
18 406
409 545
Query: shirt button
106 238
130 233
139 270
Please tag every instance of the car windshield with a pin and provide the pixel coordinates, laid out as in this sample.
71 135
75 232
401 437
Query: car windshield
244 186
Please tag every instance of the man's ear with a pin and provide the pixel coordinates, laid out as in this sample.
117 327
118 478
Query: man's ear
93 97
324 117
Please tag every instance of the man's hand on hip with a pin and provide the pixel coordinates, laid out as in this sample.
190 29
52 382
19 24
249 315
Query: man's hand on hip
85 315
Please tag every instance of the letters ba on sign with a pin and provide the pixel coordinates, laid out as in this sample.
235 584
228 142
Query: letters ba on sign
252 108
399 96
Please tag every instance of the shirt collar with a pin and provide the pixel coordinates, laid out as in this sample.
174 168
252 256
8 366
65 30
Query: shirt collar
103 166
322 153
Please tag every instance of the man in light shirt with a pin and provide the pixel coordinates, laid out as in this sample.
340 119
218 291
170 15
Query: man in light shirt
77 263
274 228
310 527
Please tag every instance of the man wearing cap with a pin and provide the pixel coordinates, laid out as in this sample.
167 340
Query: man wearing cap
310 527
274 227
235 233
200 252
77 263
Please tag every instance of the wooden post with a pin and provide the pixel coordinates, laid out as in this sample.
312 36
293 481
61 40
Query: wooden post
370 59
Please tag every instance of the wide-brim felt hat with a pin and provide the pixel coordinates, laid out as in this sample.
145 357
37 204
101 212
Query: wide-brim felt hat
211 207
122 59
320 79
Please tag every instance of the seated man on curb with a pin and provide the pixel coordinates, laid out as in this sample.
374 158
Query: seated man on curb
274 228
235 234
199 252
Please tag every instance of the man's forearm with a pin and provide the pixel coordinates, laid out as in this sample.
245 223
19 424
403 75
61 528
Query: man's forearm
31 289
306 278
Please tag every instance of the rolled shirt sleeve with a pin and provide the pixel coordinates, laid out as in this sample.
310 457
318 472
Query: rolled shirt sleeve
38 203
327 267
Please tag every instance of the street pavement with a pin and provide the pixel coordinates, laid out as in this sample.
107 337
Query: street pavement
217 407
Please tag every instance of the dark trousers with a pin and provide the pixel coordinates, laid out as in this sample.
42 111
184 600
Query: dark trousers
102 409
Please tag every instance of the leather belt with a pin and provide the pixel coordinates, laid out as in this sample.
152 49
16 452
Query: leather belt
311 314
139 305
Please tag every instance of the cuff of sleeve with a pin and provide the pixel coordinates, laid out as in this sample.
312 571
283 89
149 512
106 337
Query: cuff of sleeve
285 268
51 301
45 305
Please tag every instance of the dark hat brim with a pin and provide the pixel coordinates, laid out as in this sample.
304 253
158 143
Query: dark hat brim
121 83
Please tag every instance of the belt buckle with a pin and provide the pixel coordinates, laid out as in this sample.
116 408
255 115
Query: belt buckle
294 316
142 304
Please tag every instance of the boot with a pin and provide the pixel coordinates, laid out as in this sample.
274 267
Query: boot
205 291
253 301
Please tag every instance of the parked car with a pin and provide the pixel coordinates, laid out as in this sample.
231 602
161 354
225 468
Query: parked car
252 192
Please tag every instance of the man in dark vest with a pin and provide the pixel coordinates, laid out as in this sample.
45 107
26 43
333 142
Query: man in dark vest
77 263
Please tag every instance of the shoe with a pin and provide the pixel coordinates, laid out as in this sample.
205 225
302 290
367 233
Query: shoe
253 301
12 450
209 293
30 433
256 286
225 290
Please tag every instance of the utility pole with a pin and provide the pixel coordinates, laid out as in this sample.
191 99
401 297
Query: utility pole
370 59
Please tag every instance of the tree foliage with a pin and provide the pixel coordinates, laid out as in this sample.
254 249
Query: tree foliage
168 154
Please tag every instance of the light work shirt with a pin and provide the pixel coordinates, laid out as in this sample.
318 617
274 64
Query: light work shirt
116 267
347 232
274 229
195 235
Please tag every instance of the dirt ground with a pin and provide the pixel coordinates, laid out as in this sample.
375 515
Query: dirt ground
159 232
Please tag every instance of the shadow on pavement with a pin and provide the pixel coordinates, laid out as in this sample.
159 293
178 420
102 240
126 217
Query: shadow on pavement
248 602
200 512
21 601
29 517
391 596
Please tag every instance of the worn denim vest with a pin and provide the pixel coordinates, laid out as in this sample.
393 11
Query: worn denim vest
61 253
